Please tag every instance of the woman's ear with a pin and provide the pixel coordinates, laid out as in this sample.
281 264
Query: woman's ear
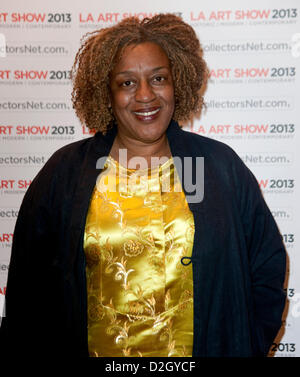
109 107
109 100
108 94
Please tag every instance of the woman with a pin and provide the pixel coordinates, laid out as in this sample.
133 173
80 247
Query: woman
104 265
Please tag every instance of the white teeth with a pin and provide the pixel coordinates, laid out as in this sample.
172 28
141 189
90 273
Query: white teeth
148 113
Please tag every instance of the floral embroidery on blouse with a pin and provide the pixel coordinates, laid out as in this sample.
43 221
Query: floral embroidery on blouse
140 295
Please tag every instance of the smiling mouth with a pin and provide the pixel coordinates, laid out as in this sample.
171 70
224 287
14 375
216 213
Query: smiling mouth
147 113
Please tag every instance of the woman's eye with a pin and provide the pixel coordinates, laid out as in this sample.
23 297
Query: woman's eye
159 78
127 83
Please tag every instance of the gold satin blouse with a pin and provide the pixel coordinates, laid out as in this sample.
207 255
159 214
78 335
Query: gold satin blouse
140 295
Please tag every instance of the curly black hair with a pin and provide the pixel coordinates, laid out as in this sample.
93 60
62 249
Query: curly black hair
98 55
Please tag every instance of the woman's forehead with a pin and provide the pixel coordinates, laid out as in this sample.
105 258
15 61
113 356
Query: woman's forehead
145 54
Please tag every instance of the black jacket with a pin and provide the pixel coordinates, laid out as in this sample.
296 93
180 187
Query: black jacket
238 256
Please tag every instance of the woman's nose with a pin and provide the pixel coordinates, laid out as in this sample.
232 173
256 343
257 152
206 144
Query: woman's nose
144 92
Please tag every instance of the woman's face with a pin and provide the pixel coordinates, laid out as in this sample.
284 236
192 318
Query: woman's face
142 92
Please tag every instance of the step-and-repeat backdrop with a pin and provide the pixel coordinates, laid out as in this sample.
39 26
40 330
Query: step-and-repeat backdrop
253 52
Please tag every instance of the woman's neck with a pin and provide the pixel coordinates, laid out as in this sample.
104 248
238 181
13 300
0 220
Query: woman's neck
135 148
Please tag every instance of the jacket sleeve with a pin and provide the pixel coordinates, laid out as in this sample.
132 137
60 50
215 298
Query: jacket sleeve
267 261
28 285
